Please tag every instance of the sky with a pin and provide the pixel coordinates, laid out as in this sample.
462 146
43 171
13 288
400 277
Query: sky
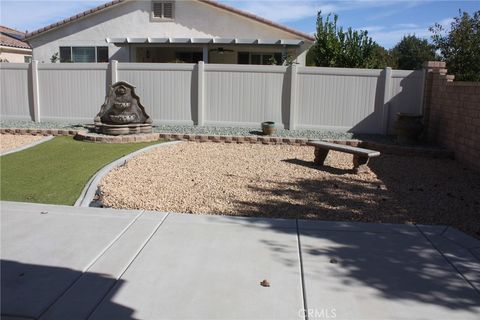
386 21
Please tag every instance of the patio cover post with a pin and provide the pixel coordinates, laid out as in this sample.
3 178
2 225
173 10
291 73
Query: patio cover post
35 90
205 54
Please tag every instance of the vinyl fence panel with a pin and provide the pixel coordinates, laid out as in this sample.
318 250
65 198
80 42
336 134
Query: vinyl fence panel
339 99
355 100
71 92
244 95
15 93
406 94
167 91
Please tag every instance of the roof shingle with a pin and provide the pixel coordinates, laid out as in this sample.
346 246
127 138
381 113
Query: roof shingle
12 38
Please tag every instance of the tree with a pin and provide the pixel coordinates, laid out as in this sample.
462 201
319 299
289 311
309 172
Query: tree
326 49
460 47
411 52
382 58
335 47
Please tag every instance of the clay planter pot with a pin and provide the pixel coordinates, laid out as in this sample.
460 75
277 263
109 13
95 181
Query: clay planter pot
408 127
268 128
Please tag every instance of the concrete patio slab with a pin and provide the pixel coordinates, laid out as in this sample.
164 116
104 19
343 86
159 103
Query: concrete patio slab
44 251
61 262
88 291
357 226
458 249
367 275
476 253
461 238
201 267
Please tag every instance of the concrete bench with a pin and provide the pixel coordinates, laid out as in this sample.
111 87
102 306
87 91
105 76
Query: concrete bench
360 155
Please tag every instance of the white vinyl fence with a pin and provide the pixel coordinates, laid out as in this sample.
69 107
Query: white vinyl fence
356 100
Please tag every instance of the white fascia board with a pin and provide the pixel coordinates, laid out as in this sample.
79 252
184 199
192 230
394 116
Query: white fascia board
269 41
180 40
158 40
136 40
246 41
116 40
223 40
202 40
292 42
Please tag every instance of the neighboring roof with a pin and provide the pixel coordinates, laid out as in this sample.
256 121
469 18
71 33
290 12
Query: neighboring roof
209 2
12 38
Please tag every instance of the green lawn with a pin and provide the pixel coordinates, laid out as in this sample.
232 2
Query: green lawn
56 171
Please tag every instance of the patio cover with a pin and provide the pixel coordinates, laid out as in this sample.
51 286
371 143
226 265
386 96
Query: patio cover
286 42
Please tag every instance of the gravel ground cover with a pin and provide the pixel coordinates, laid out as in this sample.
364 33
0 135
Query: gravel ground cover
281 181
12 141
234 131
39 125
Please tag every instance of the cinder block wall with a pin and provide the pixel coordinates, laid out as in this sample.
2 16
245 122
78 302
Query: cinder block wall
452 113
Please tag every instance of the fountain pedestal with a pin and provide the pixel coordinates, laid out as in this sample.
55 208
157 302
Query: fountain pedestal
119 129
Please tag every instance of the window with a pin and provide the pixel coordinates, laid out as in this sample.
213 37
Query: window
162 10
102 54
260 58
83 54
27 59
65 54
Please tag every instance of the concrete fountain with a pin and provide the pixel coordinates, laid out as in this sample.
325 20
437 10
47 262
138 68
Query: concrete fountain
122 113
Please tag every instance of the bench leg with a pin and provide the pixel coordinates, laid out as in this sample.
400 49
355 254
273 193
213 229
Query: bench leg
320 156
360 164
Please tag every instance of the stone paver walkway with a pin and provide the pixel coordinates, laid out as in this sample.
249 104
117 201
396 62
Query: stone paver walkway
63 262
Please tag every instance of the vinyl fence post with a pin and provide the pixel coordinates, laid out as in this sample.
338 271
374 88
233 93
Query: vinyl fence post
114 71
201 94
292 122
35 90
386 99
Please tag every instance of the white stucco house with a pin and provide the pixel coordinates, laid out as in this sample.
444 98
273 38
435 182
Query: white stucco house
169 31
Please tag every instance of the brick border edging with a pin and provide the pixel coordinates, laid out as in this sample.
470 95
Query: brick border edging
266 140
42 132
83 135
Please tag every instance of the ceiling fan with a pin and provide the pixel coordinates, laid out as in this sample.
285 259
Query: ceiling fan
221 50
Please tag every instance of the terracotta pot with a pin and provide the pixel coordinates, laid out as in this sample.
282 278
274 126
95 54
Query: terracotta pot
268 128
408 127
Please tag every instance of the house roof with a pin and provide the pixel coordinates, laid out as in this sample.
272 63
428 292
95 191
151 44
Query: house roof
258 18
12 38
209 2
